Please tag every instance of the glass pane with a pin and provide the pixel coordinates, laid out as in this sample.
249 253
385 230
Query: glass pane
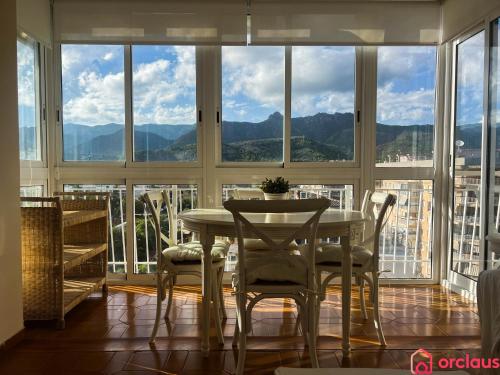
405 106
93 97
494 121
466 230
406 238
253 100
117 259
183 197
323 86
28 105
164 103
31 191
340 195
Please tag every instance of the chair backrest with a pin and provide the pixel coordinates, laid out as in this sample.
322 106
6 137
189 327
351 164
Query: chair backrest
307 230
381 202
155 201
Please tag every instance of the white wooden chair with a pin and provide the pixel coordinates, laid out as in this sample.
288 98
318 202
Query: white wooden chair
276 273
365 266
181 259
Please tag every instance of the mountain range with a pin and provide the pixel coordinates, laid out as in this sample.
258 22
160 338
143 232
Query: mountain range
321 137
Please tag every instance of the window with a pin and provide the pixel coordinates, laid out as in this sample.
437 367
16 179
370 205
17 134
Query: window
164 103
405 106
406 240
466 228
93 100
32 191
183 197
323 103
28 100
253 101
117 259
494 123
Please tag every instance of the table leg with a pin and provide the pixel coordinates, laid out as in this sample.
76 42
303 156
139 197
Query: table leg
206 241
346 294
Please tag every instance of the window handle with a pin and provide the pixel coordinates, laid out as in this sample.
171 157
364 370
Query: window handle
199 115
218 117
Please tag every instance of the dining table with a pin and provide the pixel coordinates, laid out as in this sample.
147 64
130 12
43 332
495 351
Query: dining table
209 223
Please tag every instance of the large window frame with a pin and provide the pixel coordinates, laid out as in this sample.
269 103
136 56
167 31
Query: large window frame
209 173
287 123
36 172
129 161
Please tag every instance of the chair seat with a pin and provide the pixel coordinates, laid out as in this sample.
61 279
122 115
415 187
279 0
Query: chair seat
191 252
275 269
331 255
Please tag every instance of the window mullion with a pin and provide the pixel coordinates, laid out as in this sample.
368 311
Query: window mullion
287 129
128 105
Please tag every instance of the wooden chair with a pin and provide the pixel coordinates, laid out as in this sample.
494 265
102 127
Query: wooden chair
275 273
181 259
365 259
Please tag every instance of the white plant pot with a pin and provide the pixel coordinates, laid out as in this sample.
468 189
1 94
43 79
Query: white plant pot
275 196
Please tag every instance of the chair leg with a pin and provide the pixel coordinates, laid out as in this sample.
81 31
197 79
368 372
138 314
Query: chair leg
159 286
362 302
312 329
302 318
221 294
242 322
236 335
217 318
318 300
376 313
171 283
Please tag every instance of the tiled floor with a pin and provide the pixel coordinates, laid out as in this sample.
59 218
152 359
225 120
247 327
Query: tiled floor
110 335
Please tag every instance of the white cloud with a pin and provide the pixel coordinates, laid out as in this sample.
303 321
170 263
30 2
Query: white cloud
322 80
25 75
405 108
108 56
163 90
100 100
257 73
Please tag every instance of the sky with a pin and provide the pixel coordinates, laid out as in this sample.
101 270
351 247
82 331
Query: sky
164 83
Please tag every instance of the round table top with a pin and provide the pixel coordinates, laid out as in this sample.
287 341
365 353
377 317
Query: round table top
221 216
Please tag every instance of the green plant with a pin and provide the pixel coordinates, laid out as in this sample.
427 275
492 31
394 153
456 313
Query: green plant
276 186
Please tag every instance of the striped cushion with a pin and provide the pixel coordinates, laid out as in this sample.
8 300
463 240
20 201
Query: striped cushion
333 254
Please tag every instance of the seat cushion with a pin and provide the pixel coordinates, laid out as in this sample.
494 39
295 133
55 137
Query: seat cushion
191 252
258 244
263 268
333 254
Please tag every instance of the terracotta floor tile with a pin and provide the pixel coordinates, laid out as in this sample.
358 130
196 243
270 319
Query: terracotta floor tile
111 336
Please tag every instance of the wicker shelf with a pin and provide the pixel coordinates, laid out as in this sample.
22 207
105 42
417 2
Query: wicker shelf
65 252
75 255
78 217
78 289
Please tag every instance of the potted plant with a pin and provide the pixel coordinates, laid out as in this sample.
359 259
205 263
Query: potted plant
275 189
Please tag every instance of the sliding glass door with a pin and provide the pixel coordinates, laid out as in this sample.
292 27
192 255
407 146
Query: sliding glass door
466 225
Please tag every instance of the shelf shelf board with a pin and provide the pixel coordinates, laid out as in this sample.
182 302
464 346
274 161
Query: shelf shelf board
82 216
78 289
74 255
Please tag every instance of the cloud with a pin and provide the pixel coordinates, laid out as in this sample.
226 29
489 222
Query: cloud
322 80
406 85
101 100
163 90
254 76
408 108
26 75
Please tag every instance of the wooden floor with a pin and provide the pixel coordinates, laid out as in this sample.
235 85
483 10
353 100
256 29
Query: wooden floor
110 336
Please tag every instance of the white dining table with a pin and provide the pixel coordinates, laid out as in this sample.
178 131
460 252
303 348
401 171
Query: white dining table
212 222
